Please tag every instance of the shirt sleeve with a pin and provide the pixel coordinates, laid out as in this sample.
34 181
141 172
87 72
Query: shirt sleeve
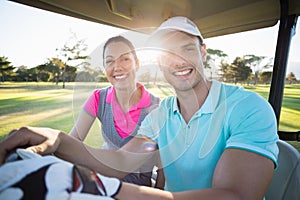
91 104
253 127
154 123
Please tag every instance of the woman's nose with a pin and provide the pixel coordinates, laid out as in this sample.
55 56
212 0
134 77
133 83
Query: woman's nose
117 65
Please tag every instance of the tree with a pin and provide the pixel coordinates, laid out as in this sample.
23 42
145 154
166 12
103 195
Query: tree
214 54
291 77
43 73
32 74
5 68
22 74
257 64
89 74
213 57
71 55
224 67
238 71
266 77
55 66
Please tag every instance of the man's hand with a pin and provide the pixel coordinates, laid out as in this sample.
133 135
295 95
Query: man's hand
38 140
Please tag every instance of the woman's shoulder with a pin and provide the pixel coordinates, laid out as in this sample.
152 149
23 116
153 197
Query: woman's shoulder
102 90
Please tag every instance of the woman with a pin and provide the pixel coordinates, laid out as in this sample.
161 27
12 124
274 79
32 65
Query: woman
121 107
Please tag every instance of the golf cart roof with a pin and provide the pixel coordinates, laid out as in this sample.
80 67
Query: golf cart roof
214 19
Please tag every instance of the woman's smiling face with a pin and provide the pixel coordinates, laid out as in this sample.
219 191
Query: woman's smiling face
120 64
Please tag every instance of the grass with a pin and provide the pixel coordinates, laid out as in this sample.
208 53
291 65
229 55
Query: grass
290 111
44 104
48 105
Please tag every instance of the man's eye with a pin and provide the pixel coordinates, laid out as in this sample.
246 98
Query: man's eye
125 58
190 49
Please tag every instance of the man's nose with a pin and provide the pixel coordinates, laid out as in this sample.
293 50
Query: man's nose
175 60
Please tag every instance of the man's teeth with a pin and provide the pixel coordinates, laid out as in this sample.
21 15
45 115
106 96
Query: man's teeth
182 73
120 77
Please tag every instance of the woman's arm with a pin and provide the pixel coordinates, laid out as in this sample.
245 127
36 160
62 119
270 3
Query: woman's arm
82 125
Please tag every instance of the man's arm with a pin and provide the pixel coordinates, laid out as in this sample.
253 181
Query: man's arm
239 175
110 163
107 162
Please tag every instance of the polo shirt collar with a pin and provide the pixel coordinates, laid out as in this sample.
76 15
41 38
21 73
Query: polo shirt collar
210 103
144 101
175 105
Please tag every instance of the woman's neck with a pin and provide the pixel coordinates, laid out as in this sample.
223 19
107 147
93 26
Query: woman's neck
128 97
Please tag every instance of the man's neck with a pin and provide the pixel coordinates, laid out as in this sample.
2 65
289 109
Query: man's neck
189 102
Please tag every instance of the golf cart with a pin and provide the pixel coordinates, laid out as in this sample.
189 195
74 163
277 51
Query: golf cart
216 18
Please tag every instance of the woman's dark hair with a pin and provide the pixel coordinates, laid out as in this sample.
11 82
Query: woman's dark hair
120 39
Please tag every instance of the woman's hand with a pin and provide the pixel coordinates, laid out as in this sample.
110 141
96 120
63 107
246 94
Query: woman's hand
36 139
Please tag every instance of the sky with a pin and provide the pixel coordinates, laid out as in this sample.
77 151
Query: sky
30 36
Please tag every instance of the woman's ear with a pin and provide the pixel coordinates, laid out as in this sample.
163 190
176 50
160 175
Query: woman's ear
203 52
137 64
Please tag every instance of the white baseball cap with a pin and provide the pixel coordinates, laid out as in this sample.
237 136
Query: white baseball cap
178 23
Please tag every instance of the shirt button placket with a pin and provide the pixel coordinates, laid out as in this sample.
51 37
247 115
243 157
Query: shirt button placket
187 135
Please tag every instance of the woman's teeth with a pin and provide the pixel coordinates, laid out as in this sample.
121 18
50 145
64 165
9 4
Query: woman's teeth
120 77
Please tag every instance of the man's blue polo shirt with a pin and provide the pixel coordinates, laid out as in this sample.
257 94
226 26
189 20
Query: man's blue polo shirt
229 118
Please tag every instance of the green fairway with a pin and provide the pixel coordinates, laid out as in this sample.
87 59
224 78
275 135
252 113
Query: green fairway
48 105
44 104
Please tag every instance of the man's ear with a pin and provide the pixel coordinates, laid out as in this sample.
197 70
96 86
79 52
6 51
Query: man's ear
203 52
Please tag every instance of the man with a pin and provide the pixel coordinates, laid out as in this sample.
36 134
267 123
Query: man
215 141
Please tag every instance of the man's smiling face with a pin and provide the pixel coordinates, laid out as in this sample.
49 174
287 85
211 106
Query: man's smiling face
181 60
